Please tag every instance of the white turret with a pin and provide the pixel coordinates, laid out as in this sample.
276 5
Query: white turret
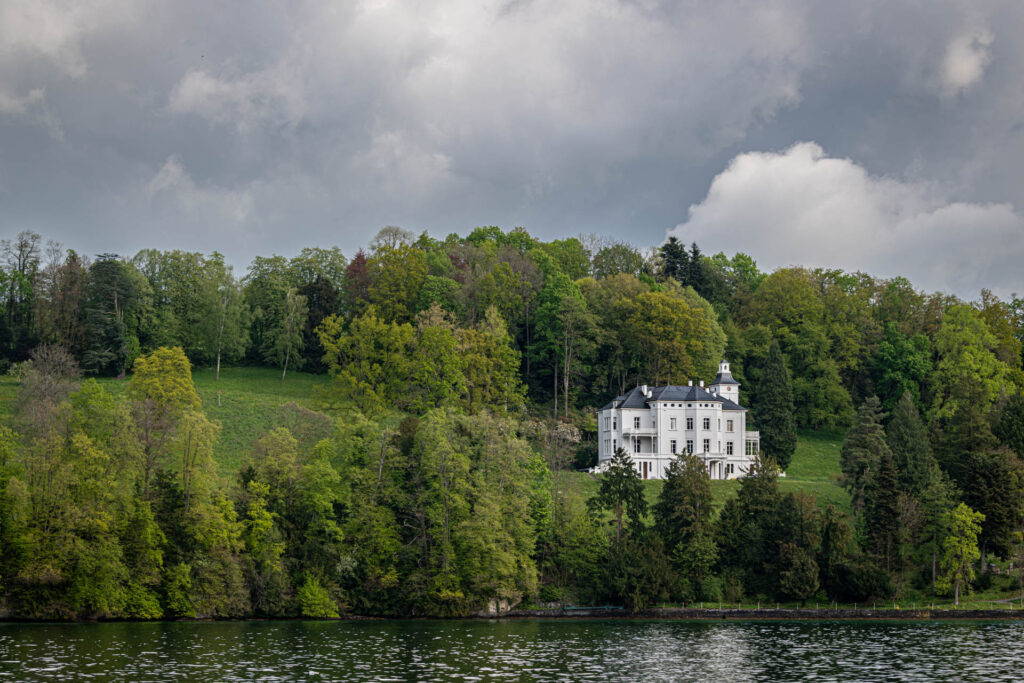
724 384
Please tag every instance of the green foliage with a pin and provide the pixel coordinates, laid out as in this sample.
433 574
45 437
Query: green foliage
960 551
314 600
775 413
622 494
863 450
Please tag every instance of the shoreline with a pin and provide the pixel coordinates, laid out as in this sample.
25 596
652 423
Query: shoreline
612 614
766 614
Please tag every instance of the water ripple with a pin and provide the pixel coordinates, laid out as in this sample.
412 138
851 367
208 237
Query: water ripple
537 650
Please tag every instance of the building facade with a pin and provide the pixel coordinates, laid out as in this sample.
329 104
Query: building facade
657 424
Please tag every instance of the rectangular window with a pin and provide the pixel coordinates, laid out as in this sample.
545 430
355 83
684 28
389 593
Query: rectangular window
615 423
672 423
719 424
607 423
636 445
719 446
728 449
636 423
607 446
672 445
689 446
707 445
615 445
707 423
689 423
728 425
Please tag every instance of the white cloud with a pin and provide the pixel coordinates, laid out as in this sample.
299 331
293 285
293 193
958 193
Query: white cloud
207 206
801 207
967 57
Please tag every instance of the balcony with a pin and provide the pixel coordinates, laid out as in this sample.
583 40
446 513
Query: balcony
752 435
639 431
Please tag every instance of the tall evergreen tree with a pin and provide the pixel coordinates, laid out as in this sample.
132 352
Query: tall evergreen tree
882 522
862 452
1009 428
684 504
775 414
911 450
674 259
622 493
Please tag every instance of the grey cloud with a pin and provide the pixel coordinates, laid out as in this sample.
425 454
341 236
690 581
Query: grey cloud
263 128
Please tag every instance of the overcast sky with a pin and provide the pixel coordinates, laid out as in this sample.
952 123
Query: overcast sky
886 136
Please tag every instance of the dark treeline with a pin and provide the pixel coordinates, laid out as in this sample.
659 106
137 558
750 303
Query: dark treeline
463 378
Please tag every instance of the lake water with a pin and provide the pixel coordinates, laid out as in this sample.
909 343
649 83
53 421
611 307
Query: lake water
542 650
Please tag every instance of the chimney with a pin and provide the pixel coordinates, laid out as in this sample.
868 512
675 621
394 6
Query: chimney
643 390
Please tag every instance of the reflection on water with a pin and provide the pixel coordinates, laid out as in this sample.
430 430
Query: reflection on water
514 650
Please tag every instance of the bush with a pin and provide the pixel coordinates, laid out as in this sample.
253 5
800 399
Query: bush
315 601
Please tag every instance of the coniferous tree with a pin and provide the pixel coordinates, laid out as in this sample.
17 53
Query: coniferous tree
775 414
911 450
883 516
684 504
675 261
1009 428
862 452
622 493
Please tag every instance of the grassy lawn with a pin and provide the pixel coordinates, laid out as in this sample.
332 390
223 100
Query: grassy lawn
246 401
814 470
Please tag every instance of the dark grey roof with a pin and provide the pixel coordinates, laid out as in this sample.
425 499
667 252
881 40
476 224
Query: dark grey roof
636 398
724 378
730 405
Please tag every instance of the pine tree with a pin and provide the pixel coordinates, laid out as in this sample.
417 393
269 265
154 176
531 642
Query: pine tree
684 504
621 492
675 261
1010 426
776 415
911 450
883 515
862 452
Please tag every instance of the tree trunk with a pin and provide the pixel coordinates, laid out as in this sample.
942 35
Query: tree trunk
285 370
556 388
934 567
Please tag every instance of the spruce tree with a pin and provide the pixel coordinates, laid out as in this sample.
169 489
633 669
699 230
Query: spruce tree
862 452
622 493
1009 429
776 416
883 516
675 261
684 504
911 450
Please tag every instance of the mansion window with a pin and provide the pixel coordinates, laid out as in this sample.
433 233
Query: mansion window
672 424
689 446
728 449
707 445
615 423
728 425
636 423
751 448
707 423
636 445
615 445
728 468
607 423
673 446
689 423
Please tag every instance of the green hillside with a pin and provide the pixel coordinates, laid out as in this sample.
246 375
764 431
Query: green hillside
246 401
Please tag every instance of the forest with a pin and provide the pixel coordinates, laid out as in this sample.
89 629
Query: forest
461 379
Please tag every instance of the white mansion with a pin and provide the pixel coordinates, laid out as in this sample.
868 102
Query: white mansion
654 424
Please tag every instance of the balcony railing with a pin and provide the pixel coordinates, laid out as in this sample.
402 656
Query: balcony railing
752 435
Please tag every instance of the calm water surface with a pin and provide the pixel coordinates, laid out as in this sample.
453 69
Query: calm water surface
514 650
